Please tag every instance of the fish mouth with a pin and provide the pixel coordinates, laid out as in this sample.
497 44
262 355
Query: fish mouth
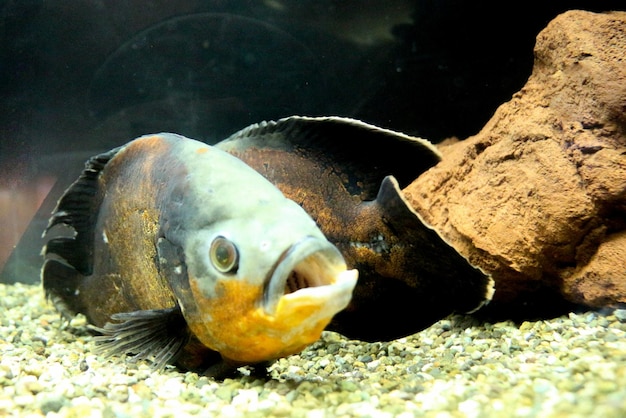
311 272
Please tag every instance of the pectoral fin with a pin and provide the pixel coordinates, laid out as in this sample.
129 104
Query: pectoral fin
158 335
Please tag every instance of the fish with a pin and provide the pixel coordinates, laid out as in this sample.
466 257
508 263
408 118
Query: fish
348 175
179 253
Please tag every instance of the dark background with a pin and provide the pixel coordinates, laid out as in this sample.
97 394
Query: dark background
81 76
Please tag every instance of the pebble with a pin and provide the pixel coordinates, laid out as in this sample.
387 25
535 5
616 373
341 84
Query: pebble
573 366
620 314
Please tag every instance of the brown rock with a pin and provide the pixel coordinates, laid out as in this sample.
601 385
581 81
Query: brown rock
538 197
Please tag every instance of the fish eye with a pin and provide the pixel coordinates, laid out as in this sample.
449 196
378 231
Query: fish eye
224 255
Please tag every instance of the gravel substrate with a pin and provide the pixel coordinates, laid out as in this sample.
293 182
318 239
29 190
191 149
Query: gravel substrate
571 366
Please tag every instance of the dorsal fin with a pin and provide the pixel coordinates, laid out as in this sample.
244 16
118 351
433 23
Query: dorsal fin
364 153
77 209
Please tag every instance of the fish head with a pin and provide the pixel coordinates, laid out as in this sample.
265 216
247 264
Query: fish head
264 287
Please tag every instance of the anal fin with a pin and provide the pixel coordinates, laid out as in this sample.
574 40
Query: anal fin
157 335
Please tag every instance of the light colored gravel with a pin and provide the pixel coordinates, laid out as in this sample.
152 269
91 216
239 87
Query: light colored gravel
572 366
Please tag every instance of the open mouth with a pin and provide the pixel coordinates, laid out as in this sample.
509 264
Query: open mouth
312 271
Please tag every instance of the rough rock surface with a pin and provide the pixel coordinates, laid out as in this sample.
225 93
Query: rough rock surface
538 197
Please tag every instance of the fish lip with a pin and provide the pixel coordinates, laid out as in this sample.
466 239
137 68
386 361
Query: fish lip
306 257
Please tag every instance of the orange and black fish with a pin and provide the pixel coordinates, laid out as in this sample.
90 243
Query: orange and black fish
348 176
179 252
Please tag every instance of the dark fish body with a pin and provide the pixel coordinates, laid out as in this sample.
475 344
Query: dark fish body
348 176
179 252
